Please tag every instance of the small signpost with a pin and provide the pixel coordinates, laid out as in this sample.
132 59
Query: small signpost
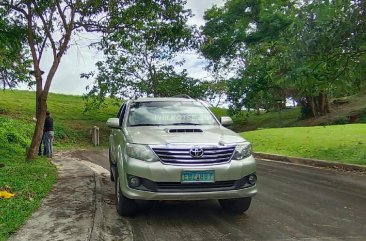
95 135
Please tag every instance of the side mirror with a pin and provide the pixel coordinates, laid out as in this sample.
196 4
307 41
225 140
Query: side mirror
113 123
226 121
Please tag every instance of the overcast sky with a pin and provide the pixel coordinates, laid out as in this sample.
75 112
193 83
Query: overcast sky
80 59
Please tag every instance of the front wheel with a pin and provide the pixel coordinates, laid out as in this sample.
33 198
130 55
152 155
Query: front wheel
112 168
125 207
236 205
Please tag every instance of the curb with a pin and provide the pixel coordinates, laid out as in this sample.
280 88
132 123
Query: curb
310 162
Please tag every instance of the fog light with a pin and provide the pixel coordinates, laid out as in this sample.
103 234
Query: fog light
134 181
252 179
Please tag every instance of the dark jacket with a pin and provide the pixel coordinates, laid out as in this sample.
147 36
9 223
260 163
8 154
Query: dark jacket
48 124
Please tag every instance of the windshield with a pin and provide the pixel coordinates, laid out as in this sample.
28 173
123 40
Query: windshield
156 113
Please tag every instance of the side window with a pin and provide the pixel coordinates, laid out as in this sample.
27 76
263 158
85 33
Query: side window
122 114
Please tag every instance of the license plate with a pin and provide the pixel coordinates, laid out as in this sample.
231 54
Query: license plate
198 176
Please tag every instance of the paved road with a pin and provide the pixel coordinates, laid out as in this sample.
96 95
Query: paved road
293 203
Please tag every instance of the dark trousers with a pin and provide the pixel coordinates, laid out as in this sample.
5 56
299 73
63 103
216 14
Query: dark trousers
47 142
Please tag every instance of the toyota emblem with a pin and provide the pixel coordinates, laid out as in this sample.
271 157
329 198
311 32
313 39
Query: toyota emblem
196 152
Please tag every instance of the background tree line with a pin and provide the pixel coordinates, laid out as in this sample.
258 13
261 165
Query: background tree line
308 51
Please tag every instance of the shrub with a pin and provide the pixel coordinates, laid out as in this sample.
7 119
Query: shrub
14 136
60 132
340 121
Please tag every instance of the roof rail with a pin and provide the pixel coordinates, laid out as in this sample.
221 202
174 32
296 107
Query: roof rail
182 96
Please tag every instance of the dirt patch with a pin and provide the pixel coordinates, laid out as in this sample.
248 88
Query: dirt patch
349 111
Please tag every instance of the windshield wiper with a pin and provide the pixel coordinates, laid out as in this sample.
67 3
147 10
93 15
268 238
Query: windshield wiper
185 124
146 124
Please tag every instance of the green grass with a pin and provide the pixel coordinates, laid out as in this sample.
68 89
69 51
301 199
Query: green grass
72 124
341 143
30 182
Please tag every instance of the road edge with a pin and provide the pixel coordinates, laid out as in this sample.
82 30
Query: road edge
310 162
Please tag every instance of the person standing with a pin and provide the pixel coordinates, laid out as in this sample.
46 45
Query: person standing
48 135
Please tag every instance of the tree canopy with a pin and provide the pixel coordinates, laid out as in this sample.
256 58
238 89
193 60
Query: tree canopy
14 61
309 51
140 61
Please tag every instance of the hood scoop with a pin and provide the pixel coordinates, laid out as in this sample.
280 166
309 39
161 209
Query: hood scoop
184 130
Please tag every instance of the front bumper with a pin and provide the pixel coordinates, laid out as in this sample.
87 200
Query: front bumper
143 195
162 173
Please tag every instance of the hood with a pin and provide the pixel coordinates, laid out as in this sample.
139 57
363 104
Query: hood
154 135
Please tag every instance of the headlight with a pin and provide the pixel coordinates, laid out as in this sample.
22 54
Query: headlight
242 151
141 152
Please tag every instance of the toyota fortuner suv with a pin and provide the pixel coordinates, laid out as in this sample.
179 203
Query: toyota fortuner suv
176 149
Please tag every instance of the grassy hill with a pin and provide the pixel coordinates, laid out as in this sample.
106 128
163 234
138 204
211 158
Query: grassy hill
72 124
343 111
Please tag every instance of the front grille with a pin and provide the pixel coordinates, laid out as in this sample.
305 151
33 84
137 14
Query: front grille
181 156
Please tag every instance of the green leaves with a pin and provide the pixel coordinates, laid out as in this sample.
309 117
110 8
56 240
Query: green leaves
304 50
141 51
14 60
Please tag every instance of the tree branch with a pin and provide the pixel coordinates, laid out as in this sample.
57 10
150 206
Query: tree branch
62 49
14 7
62 15
46 27
31 43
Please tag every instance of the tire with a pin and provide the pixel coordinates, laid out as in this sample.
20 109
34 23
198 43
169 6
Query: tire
125 207
236 205
112 168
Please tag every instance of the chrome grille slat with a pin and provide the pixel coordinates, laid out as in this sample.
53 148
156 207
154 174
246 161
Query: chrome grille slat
184 152
181 156
203 157
193 160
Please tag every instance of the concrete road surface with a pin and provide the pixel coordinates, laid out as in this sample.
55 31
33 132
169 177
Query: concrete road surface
294 203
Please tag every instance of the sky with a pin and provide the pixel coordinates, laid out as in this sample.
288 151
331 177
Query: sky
81 59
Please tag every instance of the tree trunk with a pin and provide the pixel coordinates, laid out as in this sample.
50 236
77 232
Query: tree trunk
310 106
38 130
326 108
258 112
321 107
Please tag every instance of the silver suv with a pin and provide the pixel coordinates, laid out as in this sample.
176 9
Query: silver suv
176 149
